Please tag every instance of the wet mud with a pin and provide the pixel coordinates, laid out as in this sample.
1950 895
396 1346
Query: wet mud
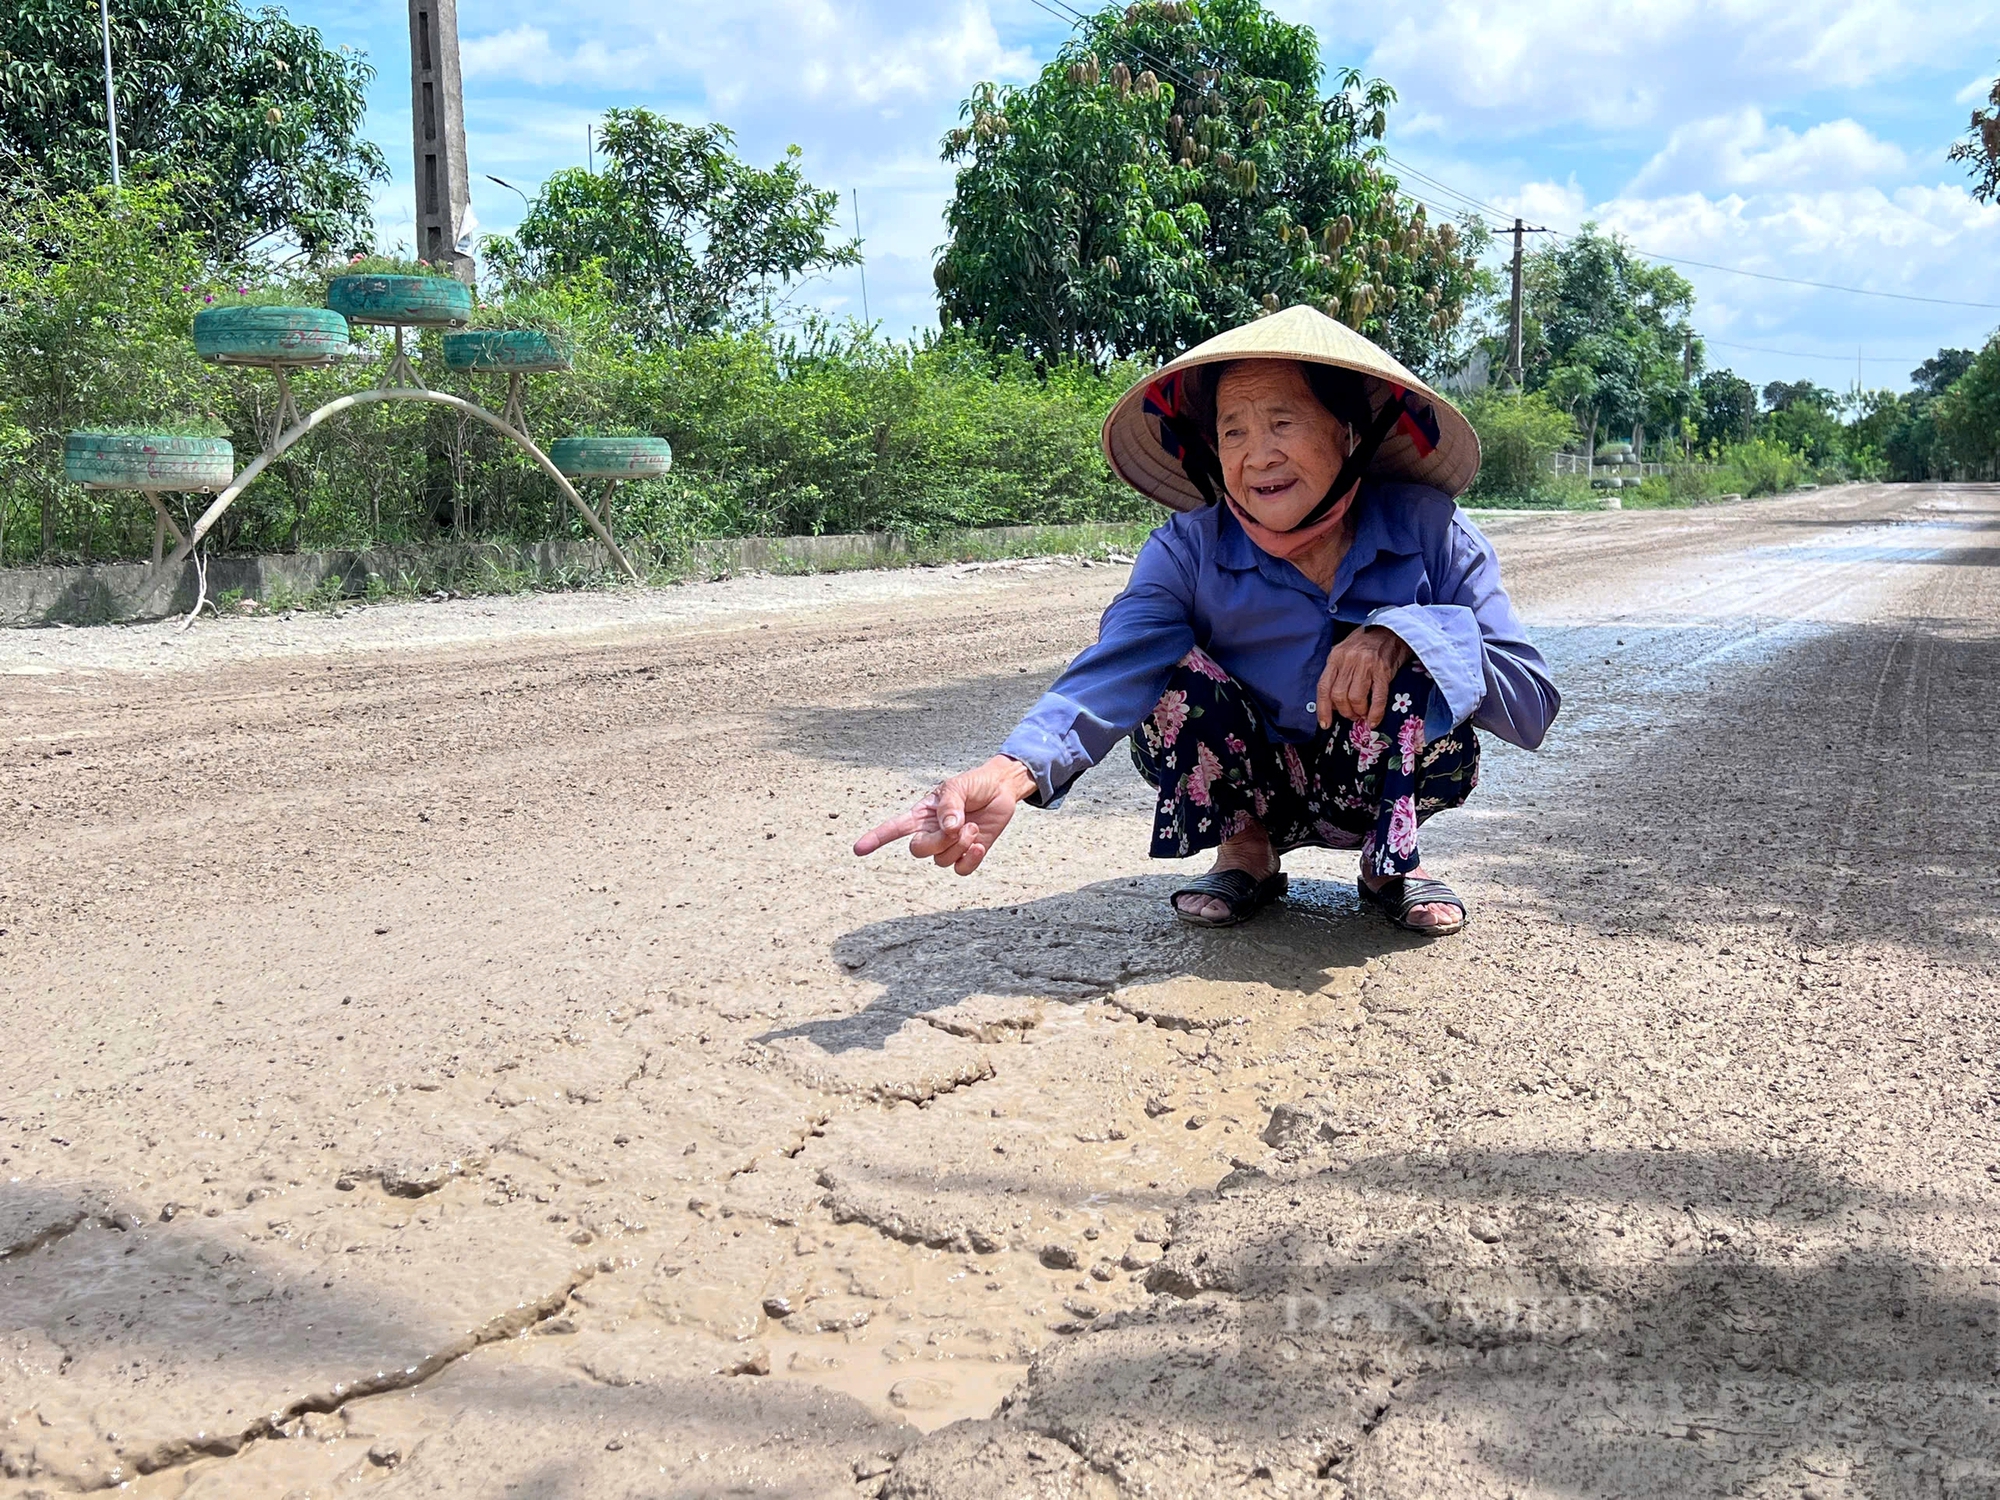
451 1052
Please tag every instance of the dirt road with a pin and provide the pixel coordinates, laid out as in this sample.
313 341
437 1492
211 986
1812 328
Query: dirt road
449 1051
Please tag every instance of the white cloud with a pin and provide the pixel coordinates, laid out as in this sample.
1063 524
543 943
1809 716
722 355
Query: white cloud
1517 66
1740 150
1976 92
844 53
1919 241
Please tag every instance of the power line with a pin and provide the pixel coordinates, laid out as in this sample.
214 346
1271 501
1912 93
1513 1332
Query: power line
1471 202
1824 286
1873 359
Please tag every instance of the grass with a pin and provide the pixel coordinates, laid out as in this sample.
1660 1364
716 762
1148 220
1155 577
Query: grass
188 427
387 265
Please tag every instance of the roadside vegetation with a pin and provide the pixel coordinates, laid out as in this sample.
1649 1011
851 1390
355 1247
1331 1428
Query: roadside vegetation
1176 170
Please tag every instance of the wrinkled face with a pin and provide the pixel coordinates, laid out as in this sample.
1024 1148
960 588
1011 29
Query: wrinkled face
1280 449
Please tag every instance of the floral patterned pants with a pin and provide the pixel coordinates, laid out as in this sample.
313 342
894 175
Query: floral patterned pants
1350 787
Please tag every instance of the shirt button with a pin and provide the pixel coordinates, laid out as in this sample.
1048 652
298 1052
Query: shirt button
1312 708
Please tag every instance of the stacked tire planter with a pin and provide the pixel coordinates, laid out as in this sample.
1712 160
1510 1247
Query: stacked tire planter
612 458
125 461
401 301
513 352
504 351
272 337
150 463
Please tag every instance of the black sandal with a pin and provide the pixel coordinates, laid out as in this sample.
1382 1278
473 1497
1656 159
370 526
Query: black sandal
1399 897
1243 893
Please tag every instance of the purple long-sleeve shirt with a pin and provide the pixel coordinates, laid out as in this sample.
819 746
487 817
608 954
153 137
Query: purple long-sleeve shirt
1417 566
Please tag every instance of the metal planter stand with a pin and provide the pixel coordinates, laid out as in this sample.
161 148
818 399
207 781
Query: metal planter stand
516 352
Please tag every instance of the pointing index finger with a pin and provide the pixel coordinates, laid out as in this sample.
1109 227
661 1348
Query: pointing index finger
887 833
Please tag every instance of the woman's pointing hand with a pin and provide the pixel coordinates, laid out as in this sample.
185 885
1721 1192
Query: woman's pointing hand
959 819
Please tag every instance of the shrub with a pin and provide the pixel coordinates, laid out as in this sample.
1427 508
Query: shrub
1518 436
1761 466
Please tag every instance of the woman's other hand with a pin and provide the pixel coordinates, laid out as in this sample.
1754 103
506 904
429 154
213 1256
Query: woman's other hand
961 818
1358 672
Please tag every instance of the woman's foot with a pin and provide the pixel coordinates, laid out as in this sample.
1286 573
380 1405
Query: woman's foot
1250 852
1432 914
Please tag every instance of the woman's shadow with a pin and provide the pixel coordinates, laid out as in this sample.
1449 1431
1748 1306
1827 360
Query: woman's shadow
1088 943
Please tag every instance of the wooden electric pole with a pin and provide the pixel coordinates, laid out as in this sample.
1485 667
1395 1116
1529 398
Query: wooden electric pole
437 119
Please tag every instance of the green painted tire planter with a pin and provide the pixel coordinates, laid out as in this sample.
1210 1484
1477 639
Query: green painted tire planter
406 301
125 461
504 351
611 457
252 335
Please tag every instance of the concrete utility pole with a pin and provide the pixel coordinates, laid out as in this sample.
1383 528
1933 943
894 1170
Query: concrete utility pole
1515 372
437 118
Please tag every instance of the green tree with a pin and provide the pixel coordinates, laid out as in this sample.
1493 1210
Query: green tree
693 239
1903 429
1802 417
1980 150
1608 336
1937 374
1725 408
253 117
1174 172
1968 412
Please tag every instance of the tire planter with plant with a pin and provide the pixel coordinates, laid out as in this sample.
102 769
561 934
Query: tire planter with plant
505 351
611 457
258 335
148 461
401 301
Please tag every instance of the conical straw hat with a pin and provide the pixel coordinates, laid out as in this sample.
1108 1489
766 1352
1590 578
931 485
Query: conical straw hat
1434 445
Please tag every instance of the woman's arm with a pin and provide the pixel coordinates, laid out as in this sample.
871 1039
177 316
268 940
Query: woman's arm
1475 647
1099 699
1112 685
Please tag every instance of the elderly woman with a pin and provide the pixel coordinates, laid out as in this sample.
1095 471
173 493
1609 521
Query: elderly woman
1303 652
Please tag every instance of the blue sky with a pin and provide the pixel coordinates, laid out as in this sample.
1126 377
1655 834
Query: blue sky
1802 138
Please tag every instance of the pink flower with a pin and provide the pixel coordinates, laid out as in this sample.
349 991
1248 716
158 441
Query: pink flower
1234 824
243 291
1236 746
1295 769
1207 771
1169 714
1200 661
1403 828
1368 745
208 297
1410 740
1260 802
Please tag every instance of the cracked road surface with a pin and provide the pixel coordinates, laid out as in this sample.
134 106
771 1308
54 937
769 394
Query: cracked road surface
449 1051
